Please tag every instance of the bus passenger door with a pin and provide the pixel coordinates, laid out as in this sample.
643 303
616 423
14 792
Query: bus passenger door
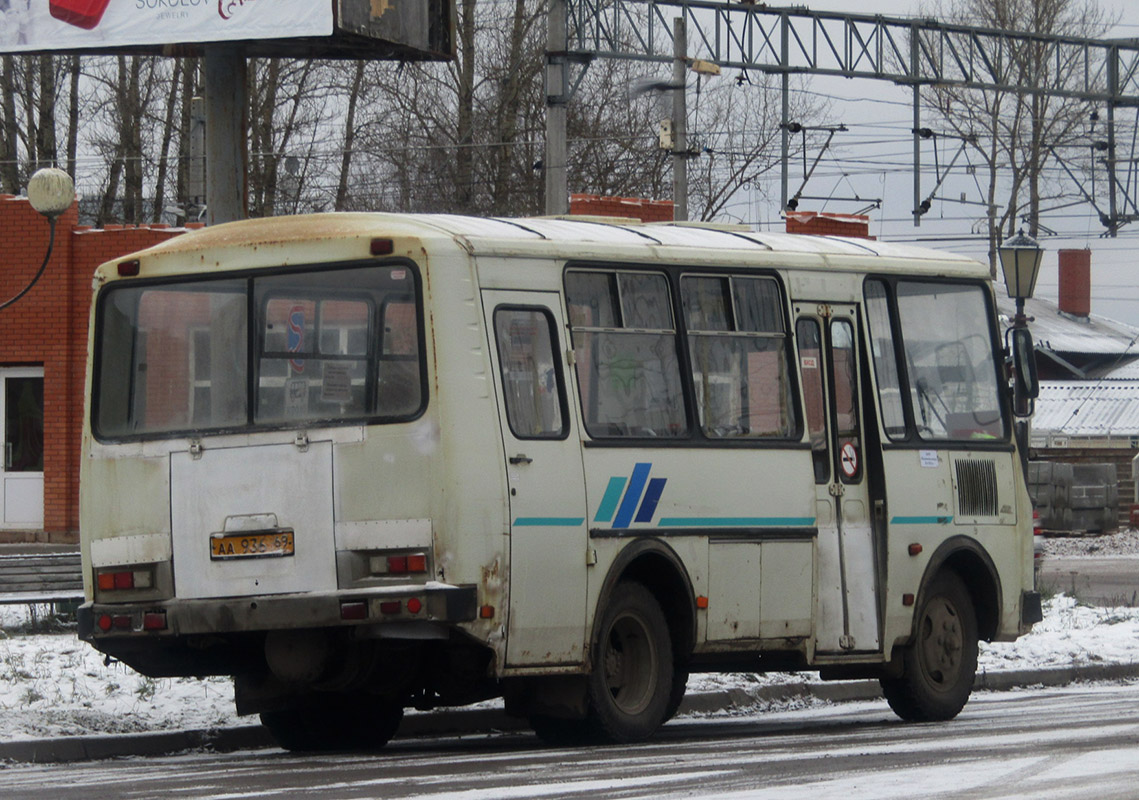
846 606
548 537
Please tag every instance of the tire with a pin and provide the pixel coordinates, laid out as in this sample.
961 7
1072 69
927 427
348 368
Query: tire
631 686
679 687
343 723
939 665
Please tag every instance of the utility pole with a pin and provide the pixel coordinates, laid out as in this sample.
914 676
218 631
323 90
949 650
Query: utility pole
679 120
226 95
557 96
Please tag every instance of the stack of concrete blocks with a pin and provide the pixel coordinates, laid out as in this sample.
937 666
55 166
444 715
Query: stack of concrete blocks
1050 485
1095 497
1074 497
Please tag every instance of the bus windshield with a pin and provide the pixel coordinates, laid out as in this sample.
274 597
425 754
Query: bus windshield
328 346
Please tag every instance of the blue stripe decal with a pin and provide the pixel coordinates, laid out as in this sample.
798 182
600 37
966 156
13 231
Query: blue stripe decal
921 520
737 522
548 522
609 501
632 496
652 496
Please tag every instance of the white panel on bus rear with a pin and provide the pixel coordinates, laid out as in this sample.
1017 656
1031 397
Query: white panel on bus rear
255 495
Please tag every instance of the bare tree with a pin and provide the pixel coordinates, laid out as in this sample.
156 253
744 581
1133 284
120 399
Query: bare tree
10 131
1016 133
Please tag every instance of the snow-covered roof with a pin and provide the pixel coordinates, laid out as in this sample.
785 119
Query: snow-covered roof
1088 408
1054 330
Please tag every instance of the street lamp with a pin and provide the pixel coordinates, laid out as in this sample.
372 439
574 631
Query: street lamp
51 192
1020 261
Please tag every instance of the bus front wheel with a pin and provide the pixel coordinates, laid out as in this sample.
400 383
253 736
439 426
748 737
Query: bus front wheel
631 683
939 665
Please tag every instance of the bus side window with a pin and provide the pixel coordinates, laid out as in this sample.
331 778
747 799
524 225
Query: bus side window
737 342
628 368
885 360
532 389
814 397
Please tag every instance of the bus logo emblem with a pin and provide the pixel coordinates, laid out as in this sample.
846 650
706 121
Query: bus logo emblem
632 499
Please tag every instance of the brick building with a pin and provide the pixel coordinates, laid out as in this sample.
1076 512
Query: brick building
43 351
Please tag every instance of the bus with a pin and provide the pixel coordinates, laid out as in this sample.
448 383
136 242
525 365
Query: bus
368 462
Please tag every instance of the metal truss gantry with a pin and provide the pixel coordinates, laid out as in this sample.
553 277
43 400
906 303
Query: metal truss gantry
787 41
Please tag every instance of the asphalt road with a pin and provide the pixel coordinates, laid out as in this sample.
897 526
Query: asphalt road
1101 580
1043 744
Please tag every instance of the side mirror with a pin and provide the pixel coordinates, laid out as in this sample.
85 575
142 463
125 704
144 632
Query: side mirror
1026 385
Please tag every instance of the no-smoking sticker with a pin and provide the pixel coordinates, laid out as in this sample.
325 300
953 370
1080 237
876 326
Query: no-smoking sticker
848 457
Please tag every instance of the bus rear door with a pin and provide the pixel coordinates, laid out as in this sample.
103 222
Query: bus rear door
548 537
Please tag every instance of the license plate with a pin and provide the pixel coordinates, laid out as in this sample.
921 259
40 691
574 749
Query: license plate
254 544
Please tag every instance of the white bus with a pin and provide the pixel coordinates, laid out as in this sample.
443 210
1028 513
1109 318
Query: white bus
366 462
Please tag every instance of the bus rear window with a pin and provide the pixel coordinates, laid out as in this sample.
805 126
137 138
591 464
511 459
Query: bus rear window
326 346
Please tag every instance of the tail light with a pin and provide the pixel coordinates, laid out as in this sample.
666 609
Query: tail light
404 564
124 580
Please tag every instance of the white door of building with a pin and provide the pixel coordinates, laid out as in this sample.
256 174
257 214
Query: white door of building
22 425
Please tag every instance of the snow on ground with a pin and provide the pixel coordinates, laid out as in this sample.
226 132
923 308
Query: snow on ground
1123 543
52 684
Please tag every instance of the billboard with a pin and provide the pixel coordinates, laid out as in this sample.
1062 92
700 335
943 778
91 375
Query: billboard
94 25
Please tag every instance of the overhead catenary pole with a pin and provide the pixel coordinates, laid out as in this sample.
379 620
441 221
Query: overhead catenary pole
1112 162
914 66
785 161
557 95
226 94
679 120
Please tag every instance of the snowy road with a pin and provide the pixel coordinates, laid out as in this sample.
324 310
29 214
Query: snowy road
1046 744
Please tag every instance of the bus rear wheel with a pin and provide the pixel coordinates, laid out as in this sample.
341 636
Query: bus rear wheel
939 665
630 687
337 723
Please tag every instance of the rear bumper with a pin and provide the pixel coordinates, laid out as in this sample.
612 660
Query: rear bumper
433 603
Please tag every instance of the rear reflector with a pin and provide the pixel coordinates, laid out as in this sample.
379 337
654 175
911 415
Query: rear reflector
154 621
353 610
414 605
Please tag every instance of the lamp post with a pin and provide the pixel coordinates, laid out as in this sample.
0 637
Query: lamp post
1020 261
51 192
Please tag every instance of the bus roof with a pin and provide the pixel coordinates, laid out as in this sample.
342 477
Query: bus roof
314 238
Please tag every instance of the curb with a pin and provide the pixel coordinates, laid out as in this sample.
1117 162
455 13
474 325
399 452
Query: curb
486 720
